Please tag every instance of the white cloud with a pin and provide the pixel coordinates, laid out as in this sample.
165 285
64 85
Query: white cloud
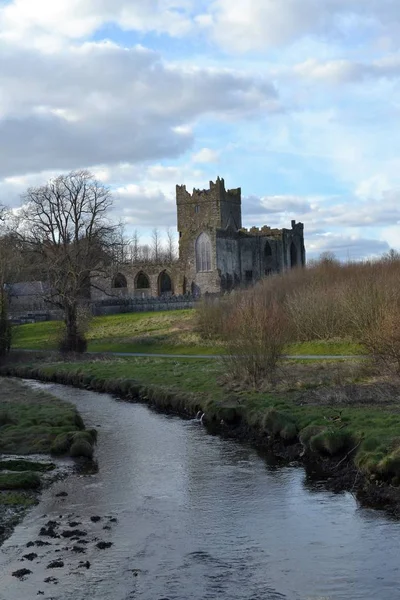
246 25
46 23
205 155
100 103
346 71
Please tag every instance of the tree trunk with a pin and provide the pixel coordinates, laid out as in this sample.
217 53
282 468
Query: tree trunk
5 327
73 340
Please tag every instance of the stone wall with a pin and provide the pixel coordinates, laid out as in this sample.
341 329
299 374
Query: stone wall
142 305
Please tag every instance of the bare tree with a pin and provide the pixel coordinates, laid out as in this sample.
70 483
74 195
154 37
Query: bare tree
171 246
155 244
135 249
66 225
10 261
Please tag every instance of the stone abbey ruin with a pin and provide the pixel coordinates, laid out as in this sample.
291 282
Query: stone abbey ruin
216 254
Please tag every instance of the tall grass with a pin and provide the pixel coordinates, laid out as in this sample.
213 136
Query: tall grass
326 300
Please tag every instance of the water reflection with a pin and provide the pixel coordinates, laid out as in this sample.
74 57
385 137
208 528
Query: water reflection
202 518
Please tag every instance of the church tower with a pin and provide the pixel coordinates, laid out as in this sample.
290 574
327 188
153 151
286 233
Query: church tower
200 215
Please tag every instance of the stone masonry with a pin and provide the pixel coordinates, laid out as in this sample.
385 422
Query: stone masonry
216 253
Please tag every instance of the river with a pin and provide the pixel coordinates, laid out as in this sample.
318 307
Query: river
198 518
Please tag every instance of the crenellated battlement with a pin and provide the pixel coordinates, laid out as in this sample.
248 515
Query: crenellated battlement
216 192
262 231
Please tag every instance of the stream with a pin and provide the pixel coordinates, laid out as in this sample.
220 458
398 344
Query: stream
190 516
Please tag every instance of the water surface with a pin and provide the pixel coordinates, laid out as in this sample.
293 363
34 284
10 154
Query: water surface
199 518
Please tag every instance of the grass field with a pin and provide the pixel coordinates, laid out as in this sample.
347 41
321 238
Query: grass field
169 332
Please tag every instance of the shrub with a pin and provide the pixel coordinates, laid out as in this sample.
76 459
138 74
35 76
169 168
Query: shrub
325 300
81 448
211 317
309 432
389 467
256 336
280 424
331 442
86 436
61 444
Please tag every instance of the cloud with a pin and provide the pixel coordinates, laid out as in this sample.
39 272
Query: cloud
346 71
345 247
327 212
205 155
101 103
46 24
248 25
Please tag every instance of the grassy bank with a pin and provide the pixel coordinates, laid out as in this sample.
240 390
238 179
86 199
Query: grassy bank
329 410
33 422
169 332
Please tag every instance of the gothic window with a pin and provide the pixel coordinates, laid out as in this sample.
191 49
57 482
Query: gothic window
268 250
142 281
203 253
119 281
164 284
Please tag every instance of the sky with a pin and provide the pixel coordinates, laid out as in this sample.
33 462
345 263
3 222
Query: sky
295 101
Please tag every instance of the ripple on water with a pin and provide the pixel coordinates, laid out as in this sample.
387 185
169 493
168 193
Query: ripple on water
198 518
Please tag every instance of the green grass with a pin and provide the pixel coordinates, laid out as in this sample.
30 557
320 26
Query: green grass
17 499
19 481
155 332
32 418
168 332
26 465
325 347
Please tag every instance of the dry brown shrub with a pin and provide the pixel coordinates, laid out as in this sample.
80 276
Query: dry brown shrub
211 317
256 334
324 301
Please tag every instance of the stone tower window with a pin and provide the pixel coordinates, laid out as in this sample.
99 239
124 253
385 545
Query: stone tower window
267 250
197 209
203 253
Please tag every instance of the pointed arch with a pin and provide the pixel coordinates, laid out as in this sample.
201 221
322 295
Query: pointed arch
142 282
164 284
267 250
203 253
119 281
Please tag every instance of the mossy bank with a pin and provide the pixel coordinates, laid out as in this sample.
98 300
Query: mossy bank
35 427
351 440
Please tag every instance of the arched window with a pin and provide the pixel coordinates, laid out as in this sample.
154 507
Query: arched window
164 283
203 253
267 250
119 281
293 255
142 281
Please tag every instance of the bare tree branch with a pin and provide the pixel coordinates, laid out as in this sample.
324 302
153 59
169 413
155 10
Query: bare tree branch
67 229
